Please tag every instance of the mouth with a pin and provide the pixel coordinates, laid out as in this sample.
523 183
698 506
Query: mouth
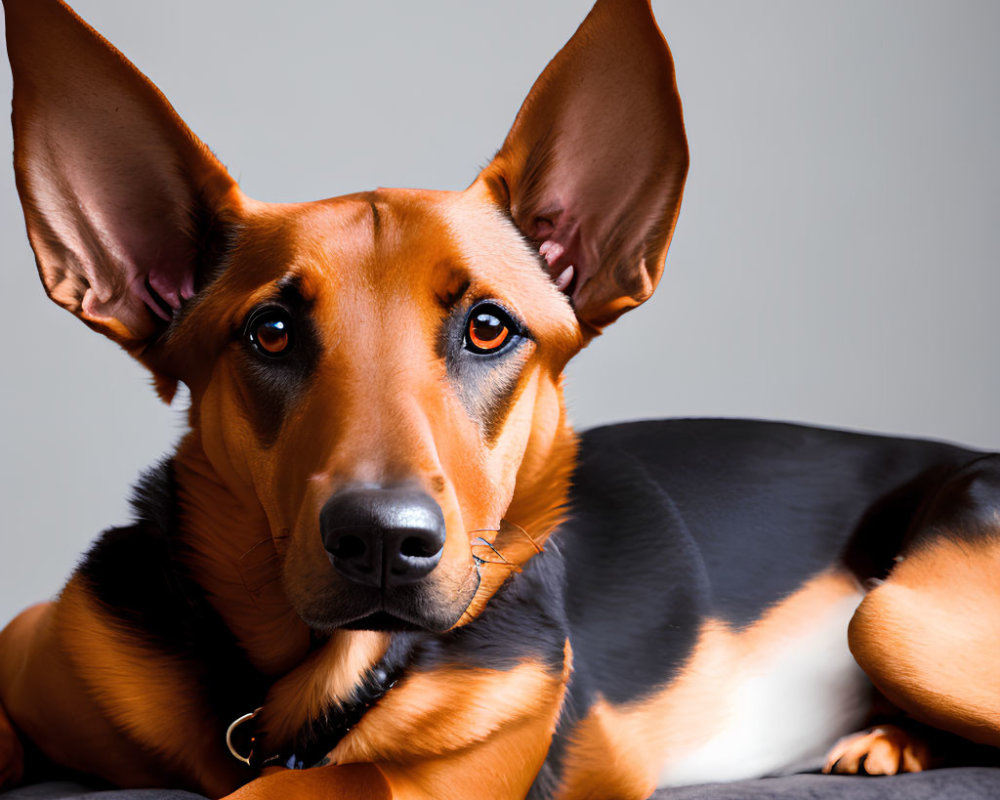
382 621
416 607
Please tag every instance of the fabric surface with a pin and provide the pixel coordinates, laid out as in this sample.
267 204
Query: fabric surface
967 783
61 790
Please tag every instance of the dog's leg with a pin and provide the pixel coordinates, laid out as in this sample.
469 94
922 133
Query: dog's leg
44 697
94 700
19 679
354 781
506 762
11 752
929 636
881 750
448 733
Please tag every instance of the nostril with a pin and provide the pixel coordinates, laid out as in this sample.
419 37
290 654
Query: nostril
349 547
383 537
419 547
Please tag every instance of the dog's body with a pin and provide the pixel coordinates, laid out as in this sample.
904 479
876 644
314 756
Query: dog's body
380 529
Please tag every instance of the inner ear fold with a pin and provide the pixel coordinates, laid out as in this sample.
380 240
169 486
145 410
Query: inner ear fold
119 196
594 165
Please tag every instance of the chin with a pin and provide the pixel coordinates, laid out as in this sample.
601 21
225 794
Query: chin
417 607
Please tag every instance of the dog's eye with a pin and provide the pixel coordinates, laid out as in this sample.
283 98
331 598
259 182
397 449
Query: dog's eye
488 329
270 332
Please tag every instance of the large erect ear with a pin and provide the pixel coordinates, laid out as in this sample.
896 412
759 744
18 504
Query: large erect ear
594 165
118 194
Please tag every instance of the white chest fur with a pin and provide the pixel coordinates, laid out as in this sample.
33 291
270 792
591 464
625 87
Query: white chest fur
782 704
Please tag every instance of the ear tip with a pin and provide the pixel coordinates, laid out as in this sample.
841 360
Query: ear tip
618 4
37 15
643 8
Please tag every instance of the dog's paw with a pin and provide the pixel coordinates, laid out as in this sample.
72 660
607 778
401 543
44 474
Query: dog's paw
11 754
883 750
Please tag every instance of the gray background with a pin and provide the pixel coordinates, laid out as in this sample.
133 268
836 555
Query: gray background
834 261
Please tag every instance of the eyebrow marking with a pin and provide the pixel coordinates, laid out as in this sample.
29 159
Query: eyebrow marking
452 298
456 285
376 219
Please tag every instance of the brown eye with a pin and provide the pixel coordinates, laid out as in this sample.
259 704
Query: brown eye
271 332
489 328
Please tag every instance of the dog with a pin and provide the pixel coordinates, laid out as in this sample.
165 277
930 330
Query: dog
380 564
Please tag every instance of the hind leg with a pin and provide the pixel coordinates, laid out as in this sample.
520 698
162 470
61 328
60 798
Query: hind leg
929 636
881 750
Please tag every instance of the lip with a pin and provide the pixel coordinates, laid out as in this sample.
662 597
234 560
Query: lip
408 608
382 621
335 603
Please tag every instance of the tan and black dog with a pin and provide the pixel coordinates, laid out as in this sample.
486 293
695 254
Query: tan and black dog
381 551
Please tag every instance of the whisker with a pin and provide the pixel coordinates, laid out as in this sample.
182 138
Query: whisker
480 541
499 554
525 534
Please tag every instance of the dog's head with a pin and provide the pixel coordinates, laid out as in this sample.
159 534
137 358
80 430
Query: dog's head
376 377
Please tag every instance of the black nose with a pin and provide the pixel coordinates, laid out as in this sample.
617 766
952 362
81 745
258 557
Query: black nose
382 537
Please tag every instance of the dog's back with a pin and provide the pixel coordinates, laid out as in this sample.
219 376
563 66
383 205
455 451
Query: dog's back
710 570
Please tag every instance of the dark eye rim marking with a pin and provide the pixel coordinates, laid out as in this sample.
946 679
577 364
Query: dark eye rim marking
270 313
512 330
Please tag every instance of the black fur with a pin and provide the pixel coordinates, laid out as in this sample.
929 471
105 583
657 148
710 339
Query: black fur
670 522
138 575
678 520
312 744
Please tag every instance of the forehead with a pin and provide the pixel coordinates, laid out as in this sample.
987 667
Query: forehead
393 245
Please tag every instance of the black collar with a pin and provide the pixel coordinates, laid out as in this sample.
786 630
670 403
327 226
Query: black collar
318 737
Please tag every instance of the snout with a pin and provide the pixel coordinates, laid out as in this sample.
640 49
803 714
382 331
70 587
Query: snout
383 537
387 564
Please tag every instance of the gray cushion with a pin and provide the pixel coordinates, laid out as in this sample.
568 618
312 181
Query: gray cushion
967 783
61 790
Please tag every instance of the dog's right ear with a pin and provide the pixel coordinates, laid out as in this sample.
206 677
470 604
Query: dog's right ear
593 170
119 196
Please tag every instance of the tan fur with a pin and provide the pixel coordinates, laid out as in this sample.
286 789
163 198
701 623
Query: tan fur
11 752
326 679
354 781
233 561
673 721
155 246
130 701
883 750
929 637
450 733
141 693
443 736
140 232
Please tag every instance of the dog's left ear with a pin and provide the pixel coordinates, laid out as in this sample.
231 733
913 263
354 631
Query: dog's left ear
121 200
593 168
